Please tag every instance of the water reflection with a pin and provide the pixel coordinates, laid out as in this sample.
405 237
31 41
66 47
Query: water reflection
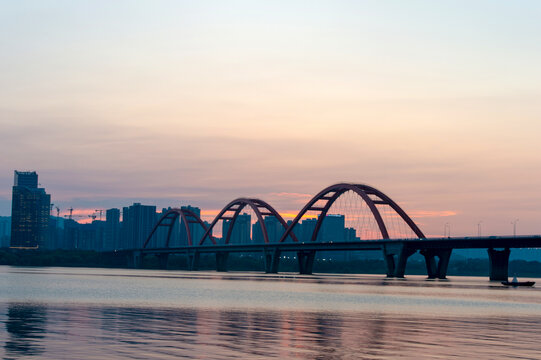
25 326
96 332
90 314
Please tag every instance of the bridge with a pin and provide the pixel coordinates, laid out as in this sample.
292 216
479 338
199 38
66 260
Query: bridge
385 225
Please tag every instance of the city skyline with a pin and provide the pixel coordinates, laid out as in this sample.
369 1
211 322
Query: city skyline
436 104
88 215
32 226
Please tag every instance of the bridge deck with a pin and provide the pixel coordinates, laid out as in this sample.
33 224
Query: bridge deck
532 241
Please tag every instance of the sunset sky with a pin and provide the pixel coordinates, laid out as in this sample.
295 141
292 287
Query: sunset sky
436 103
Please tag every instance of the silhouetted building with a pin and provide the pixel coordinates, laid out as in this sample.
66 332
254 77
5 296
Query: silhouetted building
91 236
296 231
257 234
196 230
207 224
350 234
332 228
159 239
306 230
241 229
137 223
26 178
71 238
5 231
56 233
275 230
112 229
29 212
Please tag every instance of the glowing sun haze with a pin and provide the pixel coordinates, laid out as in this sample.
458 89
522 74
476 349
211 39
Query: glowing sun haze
437 104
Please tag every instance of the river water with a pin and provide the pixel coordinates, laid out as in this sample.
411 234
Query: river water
81 313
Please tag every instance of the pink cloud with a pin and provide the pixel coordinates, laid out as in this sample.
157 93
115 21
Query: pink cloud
297 198
291 195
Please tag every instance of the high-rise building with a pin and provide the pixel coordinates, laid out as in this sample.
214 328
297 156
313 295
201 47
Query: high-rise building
297 230
350 234
71 238
257 234
91 236
5 231
29 212
26 178
241 229
137 223
332 228
196 231
275 230
159 239
112 229
307 227
56 232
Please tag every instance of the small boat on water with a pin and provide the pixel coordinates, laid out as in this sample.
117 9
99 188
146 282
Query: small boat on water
516 283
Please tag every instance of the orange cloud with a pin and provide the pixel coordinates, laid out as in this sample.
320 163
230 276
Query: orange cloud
83 216
209 215
213 212
431 213
291 215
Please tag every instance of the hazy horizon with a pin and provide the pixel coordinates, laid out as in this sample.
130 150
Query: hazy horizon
169 103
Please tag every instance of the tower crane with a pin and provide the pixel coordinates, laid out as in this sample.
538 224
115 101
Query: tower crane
71 216
100 211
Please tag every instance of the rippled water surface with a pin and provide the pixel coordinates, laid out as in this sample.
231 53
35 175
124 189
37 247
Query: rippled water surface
78 313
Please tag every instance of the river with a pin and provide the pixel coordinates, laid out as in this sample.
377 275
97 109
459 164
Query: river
82 313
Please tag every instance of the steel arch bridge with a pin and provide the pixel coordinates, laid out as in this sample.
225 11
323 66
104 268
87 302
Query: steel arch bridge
231 212
436 251
320 203
169 220
371 196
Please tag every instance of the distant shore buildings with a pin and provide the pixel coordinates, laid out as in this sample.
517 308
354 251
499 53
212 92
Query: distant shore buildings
5 231
32 226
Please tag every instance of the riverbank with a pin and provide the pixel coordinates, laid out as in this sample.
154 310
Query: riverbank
81 258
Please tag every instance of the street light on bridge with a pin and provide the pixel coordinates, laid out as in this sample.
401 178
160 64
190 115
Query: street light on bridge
514 227
479 228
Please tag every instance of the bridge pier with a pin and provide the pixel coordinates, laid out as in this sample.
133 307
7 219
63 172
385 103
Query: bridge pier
306 261
163 260
135 259
272 261
396 268
193 261
498 264
437 269
221 261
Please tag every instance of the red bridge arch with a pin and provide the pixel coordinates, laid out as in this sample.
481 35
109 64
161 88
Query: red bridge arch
169 219
232 210
330 194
